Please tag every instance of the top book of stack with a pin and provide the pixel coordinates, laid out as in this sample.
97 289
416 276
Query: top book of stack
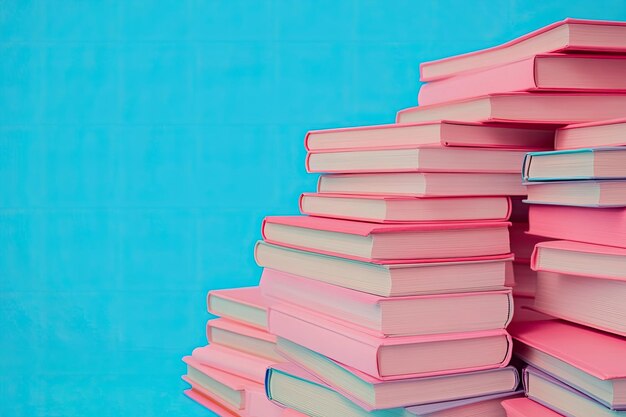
569 35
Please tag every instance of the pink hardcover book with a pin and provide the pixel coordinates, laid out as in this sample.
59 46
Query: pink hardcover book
374 394
390 278
584 259
588 360
531 108
393 242
232 361
245 305
218 324
416 159
242 337
551 72
444 133
525 407
598 353
229 389
569 35
602 226
393 357
423 184
393 316
390 209
602 133
200 396
597 303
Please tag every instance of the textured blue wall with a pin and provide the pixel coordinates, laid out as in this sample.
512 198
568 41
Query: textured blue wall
142 143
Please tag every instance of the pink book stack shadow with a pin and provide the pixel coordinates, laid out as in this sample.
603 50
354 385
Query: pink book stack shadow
393 291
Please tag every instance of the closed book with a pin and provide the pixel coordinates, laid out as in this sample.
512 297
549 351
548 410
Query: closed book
226 388
245 305
399 209
525 407
387 278
291 386
562 398
444 133
393 316
593 302
583 259
255 403
569 35
416 159
531 108
602 226
577 164
589 360
234 362
584 193
544 72
392 358
432 184
372 393
369 241
602 133
244 338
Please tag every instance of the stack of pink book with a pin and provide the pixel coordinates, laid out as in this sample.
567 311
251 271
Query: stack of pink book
391 293
575 237
227 376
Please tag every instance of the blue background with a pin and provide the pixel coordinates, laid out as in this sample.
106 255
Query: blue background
142 143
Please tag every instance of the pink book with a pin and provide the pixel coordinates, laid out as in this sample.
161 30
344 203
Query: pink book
597 303
602 226
394 242
390 278
390 209
421 184
582 193
242 337
548 72
589 360
444 133
245 305
227 388
584 259
208 402
393 316
393 357
569 35
416 159
591 135
373 394
525 407
232 361
531 108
